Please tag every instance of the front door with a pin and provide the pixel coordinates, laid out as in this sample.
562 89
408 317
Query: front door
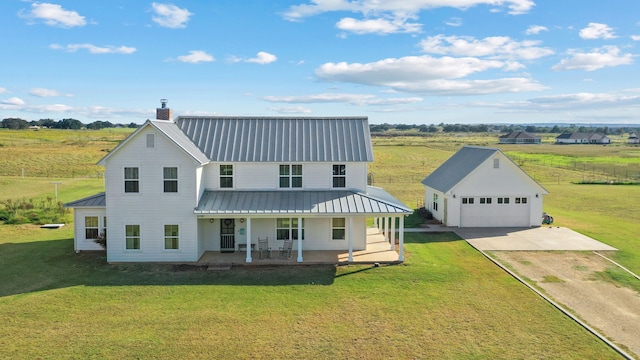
227 239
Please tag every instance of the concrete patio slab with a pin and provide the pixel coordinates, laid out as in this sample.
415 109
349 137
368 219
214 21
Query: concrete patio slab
540 238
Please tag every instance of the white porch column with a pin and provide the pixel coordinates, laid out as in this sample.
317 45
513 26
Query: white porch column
384 228
401 242
393 233
299 239
387 221
249 241
350 258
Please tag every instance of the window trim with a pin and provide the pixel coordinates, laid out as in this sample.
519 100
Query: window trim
132 180
166 180
290 176
175 237
225 176
340 175
335 228
132 236
96 227
290 229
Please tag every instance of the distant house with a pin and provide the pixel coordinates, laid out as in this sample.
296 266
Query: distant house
633 139
482 187
520 137
582 138
175 189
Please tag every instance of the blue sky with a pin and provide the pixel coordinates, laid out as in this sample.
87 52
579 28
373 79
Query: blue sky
395 61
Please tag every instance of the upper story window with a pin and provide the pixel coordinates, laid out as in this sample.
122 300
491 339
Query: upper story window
170 175
291 176
339 176
131 180
151 140
226 176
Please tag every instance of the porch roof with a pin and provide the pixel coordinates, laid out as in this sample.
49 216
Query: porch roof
328 202
97 200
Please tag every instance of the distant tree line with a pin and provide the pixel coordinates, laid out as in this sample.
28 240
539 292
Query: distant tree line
501 128
73 124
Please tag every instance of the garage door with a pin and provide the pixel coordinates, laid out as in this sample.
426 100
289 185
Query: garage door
495 212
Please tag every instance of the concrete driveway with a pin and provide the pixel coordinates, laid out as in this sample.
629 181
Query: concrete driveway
540 238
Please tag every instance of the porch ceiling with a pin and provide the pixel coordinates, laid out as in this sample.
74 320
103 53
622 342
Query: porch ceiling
332 202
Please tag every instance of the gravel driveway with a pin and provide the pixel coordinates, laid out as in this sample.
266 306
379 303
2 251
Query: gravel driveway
568 277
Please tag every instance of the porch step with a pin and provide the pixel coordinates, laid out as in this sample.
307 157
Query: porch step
219 267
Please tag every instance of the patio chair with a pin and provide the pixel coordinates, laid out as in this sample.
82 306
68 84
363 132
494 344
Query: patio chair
263 248
285 250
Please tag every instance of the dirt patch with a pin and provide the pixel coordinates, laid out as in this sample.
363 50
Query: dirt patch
568 277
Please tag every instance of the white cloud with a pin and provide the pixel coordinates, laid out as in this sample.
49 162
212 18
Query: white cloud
607 56
263 57
635 37
572 101
291 110
597 31
535 29
55 15
196 56
14 101
3 90
42 92
454 21
170 16
391 16
352 99
426 74
93 49
496 47
377 26
397 8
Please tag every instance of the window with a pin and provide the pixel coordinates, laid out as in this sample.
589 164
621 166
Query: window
521 200
132 237
170 179
91 227
338 228
467 200
171 237
435 202
496 163
291 176
151 140
503 200
131 180
339 176
287 229
226 176
485 200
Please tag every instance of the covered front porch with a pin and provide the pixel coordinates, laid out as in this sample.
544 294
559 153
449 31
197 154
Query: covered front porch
379 250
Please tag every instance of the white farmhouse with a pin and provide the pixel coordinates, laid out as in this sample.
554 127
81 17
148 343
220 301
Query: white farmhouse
175 189
482 187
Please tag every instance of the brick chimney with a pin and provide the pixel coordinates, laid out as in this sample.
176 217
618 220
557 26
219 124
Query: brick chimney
163 112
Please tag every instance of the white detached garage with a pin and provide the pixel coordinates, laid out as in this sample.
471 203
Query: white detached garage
482 187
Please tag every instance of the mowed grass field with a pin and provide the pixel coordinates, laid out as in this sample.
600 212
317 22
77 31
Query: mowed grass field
445 301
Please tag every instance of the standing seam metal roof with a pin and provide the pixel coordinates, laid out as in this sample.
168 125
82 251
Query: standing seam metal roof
331 202
280 139
457 167
97 200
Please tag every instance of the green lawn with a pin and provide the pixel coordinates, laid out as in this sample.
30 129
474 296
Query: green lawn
446 301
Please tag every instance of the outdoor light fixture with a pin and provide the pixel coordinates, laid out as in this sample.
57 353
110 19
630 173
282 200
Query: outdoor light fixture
241 220
211 220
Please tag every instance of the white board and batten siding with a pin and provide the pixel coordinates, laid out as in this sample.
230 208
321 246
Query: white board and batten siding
151 208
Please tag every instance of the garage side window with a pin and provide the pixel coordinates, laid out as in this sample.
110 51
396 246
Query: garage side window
435 202
467 200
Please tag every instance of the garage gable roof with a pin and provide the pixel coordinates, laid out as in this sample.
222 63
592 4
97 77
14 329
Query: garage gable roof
457 167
